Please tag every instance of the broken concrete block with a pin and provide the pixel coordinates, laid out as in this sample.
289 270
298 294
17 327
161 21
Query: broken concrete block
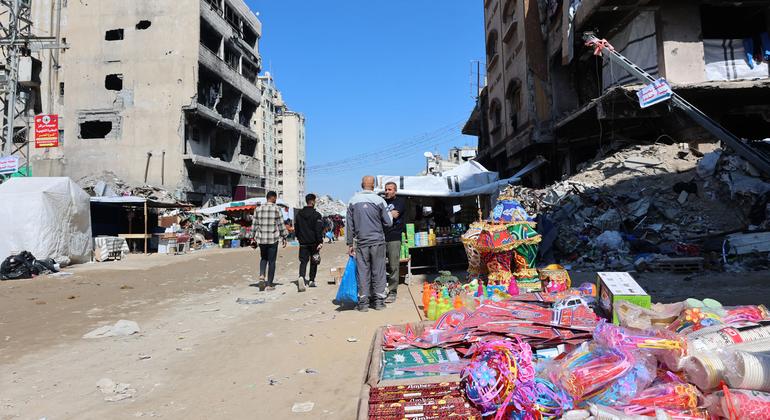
682 197
708 164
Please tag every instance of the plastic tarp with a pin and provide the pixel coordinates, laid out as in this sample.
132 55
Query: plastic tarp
467 180
49 217
726 60
638 42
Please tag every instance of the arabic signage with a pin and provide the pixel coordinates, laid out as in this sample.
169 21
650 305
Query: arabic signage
9 165
656 92
46 131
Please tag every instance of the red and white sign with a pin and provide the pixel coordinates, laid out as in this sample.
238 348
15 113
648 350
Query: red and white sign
46 131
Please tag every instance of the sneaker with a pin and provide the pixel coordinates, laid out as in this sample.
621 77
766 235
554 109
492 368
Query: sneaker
311 284
379 304
391 297
300 284
270 288
363 306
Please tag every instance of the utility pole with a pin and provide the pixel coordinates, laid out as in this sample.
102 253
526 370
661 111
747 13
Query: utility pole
16 43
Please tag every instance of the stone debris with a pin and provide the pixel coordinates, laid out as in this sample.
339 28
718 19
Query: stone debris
114 392
107 184
121 328
654 201
328 206
302 407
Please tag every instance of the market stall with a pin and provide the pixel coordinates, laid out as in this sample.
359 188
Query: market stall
234 228
442 208
515 340
111 215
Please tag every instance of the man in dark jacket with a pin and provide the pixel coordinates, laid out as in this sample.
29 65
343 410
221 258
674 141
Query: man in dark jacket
308 227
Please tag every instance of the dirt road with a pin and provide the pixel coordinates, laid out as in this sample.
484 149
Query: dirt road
200 355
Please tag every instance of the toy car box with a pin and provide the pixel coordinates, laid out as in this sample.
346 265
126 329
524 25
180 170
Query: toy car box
616 286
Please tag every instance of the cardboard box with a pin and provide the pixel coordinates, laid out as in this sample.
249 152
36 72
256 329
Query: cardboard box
374 366
616 286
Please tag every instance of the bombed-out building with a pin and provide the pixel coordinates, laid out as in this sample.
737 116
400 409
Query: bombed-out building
547 94
163 92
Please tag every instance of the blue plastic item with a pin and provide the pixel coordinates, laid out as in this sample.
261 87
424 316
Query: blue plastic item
348 290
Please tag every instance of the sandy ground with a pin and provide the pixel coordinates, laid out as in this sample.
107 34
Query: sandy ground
200 355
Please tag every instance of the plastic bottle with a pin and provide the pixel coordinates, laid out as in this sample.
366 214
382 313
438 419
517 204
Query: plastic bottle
426 294
444 307
433 308
458 303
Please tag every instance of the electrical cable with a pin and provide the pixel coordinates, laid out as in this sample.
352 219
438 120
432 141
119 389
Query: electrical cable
395 148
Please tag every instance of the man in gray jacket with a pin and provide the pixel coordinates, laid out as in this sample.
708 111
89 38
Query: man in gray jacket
364 231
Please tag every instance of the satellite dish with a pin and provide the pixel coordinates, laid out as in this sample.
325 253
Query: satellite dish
428 155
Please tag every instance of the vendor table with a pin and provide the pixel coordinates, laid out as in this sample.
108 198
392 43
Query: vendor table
137 236
439 251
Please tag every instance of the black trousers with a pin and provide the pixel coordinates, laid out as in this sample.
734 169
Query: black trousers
305 255
267 256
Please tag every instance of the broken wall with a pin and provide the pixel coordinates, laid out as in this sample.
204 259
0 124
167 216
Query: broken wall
129 69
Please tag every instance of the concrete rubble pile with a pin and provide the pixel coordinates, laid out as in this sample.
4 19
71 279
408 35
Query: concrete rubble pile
328 206
107 184
657 207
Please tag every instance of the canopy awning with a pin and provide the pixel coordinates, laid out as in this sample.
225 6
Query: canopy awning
139 201
241 208
467 180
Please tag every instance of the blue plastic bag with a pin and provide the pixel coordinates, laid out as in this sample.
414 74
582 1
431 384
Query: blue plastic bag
348 291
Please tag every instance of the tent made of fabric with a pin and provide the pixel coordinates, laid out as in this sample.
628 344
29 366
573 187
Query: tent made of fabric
49 217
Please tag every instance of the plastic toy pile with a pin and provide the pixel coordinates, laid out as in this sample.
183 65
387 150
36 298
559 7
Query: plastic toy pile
502 250
545 354
691 360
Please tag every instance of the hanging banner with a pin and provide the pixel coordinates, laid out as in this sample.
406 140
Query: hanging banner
9 165
656 92
46 131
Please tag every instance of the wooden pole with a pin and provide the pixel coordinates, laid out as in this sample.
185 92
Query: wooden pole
145 226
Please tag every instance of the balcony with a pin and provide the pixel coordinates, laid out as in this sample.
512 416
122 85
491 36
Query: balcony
216 65
212 115
250 164
216 18
212 163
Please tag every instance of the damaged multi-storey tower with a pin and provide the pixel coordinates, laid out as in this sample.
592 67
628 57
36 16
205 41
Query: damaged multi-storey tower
162 92
548 94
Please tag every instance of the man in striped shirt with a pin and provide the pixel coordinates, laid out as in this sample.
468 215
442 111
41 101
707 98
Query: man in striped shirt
268 229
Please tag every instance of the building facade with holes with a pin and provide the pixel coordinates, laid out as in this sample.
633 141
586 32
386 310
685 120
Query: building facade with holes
547 94
517 106
163 92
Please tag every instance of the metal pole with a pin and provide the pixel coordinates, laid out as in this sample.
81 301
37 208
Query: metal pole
13 63
145 226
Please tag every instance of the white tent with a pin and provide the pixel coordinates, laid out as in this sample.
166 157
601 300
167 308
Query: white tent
49 217
467 180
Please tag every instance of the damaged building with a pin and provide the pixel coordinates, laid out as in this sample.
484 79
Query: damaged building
158 92
547 94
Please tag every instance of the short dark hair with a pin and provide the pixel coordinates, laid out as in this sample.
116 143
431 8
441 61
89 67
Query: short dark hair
309 198
271 194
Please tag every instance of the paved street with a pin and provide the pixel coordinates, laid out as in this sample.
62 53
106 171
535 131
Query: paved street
199 354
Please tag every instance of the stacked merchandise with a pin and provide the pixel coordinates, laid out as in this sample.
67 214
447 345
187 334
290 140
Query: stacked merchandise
423 401
502 251
531 357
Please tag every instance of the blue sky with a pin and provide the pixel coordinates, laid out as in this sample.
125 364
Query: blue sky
370 75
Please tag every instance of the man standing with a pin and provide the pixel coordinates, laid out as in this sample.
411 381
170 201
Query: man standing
367 215
309 228
268 228
397 208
